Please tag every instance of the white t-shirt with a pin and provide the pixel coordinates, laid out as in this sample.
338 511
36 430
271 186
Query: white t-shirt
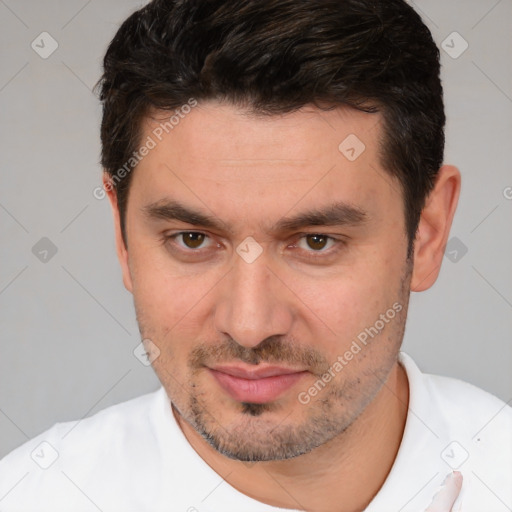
133 457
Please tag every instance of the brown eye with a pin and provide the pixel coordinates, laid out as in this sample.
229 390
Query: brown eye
193 240
317 242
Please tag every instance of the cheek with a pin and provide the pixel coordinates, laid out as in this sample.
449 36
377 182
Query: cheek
343 308
167 302
162 294
349 301
169 312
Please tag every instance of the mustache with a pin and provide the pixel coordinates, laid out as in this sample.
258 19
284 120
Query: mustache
271 350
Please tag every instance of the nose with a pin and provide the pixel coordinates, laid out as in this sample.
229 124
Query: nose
253 303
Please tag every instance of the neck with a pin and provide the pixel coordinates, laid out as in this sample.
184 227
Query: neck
348 470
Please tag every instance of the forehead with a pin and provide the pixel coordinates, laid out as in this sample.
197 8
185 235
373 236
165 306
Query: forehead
230 135
222 157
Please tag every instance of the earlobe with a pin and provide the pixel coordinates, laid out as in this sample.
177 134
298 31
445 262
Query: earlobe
122 252
434 228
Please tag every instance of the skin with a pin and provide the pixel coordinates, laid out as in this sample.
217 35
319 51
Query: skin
335 452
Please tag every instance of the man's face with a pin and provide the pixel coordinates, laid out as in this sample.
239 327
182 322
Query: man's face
296 295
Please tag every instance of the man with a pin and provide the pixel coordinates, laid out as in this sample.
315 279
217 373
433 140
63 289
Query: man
275 170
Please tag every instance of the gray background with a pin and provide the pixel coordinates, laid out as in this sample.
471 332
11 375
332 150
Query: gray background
68 328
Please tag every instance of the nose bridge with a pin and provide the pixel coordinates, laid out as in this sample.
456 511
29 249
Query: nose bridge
252 307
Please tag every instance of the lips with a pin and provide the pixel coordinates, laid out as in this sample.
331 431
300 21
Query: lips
256 373
256 385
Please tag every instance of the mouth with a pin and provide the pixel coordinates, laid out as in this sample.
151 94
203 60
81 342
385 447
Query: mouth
256 385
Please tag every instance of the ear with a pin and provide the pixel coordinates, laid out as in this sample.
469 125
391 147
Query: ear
122 251
434 228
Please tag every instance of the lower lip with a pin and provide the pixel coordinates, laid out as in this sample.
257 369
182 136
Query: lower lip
256 391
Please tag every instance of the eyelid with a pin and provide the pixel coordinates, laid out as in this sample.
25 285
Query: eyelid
173 236
338 243
303 236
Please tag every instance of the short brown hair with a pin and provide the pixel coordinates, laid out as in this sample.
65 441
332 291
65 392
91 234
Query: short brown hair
276 56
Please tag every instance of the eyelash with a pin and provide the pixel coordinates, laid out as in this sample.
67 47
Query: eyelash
312 255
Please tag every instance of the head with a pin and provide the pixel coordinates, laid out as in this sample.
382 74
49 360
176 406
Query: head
275 172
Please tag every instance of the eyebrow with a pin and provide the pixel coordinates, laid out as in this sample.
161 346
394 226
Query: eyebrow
336 214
